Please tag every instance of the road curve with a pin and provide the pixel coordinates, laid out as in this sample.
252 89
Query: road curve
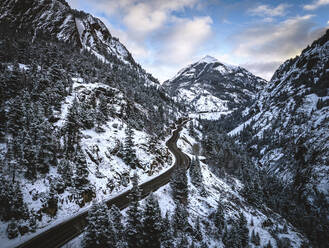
62 233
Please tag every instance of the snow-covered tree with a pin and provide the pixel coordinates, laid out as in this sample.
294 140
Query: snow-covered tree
167 233
134 230
65 169
219 217
196 176
99 230
180 219
243 230
255 239
152 223
71 128
12 230
81 172
179 187
129 154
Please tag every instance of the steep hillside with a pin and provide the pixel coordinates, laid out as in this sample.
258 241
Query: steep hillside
215 214
211 86
81 121
74 120
288 135
55 19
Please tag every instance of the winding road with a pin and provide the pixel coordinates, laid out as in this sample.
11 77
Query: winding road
62 233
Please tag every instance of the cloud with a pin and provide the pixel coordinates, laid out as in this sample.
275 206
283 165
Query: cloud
266 10
264 69
140 17
184 39
316 4
136 47
178 45
151 30
266 44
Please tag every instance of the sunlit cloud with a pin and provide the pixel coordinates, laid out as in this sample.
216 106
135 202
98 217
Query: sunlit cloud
316 4
266 10
164 36
265 46
184 39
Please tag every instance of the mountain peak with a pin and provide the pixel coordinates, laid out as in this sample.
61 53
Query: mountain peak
208 59
211 60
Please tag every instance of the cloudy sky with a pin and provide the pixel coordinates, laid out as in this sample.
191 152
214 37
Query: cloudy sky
166 35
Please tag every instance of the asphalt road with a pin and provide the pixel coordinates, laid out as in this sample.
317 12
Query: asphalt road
62 233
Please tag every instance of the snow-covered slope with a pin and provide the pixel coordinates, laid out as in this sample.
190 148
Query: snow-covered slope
293 109
212 86
55 19
72 92
201 210
288 135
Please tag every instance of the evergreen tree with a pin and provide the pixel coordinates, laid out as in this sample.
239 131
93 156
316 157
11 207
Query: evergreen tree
81 172
15 115
65 169
153 140
252 222
33 222
167 233
118 230
225 235
47 153
10 158
285 228
243 230
87 115
98 232
283 243
12 205
152 224
180 219
183 241
103 106
255 239
252 190
191 129
129 154
72 128
134 225
197 230
12 230
195 173
29 157
231 237
269 244
219 217
100 120
178 185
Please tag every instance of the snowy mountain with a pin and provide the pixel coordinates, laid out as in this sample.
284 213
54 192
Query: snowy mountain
212 86
55 19
75 124
288 132
79 119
